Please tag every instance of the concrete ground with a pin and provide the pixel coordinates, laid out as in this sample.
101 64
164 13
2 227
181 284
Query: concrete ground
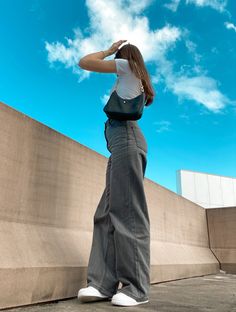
215 292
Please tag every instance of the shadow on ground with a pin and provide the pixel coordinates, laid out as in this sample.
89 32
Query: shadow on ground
214 292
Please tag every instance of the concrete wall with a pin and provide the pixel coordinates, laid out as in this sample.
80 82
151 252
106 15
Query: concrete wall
50 186
222 234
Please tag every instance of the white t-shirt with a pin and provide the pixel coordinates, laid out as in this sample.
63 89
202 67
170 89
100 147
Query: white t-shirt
127 85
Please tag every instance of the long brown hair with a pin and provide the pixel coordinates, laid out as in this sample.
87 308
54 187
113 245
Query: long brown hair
137 65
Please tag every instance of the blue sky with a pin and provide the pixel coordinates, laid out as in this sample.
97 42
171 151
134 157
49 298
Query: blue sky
189 50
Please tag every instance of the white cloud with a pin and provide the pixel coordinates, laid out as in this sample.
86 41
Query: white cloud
184 117
201 89
125 16
214 50
104 22
172 5
152 43
197 87
104 99
230 26
163 125
218 5
192 48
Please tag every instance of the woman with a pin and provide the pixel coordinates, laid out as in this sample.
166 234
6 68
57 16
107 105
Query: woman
121 239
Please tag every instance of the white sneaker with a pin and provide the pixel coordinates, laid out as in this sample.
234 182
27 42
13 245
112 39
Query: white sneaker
122 299
89 294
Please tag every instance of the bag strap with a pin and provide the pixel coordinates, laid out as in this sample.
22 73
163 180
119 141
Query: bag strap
141 85
140 82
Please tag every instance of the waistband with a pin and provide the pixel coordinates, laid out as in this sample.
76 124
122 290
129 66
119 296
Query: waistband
121 122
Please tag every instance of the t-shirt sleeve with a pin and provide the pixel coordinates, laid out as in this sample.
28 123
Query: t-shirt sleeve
122 66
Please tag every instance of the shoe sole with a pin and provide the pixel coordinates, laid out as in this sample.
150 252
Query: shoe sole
83 298
117 302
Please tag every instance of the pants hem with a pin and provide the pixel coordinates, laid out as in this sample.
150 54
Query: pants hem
101 289
138 299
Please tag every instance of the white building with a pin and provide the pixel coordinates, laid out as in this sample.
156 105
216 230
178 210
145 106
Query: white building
206 190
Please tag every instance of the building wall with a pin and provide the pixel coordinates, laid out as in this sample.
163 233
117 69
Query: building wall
50 186
222 235
207 190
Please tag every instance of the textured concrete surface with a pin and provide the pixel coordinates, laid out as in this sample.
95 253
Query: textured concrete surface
222 236
50 186
216 293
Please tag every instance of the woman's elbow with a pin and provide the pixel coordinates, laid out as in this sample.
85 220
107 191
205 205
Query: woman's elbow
81 63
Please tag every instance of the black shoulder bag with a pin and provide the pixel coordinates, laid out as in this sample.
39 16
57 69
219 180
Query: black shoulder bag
125 109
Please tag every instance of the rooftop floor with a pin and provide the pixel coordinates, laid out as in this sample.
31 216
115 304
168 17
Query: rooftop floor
214 292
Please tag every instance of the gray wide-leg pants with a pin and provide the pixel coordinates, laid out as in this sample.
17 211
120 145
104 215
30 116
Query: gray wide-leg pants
121 237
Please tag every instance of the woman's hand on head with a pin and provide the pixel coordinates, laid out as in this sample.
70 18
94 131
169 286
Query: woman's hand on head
114 47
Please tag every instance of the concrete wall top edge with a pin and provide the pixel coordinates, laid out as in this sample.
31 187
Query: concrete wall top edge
173 193
219 208
8 108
